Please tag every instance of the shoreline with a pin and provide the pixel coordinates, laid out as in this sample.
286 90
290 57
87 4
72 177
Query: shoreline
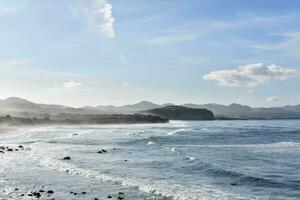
7 129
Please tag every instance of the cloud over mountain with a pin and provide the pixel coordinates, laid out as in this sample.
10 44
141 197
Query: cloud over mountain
272 99
249 75
72 84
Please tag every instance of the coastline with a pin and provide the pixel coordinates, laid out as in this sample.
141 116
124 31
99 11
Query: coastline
97 162
7 129
70 119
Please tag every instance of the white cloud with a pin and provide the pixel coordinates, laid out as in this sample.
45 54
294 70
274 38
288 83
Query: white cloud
272 99
126 84
195 29
250 91
15 63
124 59
100 16
249 75
10 9
72 84
172 38
290 39
288 47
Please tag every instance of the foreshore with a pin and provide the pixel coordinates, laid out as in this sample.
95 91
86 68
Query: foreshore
58 177
7 129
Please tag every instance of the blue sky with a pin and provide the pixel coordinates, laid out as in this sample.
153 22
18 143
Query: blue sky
92 52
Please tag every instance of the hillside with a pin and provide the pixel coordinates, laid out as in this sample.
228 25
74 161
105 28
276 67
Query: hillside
24 108
181 113
70 119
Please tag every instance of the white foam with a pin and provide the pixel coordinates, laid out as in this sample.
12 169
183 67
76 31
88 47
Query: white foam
269 145
190 157
151 143
166 188
178 131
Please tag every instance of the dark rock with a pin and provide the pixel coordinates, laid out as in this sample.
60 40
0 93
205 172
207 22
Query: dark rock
109 196
120 198
9 149
50 192
37 194
67 158
2 152
42 191
16 189
121 193
83 192
1 147
233 184
99 152
104 151
20 146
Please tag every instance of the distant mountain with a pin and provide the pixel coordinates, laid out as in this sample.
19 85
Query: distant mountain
14 104
246 112
144 105
181 113
292 108
23 108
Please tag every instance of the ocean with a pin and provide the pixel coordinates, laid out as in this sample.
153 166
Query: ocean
206 160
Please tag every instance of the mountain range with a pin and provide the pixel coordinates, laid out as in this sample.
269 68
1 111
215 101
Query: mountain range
23 108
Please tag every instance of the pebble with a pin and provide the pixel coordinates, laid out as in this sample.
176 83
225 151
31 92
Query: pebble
50 192
67 158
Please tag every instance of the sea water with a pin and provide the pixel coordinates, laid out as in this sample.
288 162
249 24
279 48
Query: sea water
177 160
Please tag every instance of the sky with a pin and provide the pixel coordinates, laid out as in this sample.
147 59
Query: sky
116 52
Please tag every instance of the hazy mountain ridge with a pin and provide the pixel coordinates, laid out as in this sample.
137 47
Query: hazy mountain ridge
24 108
181 113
